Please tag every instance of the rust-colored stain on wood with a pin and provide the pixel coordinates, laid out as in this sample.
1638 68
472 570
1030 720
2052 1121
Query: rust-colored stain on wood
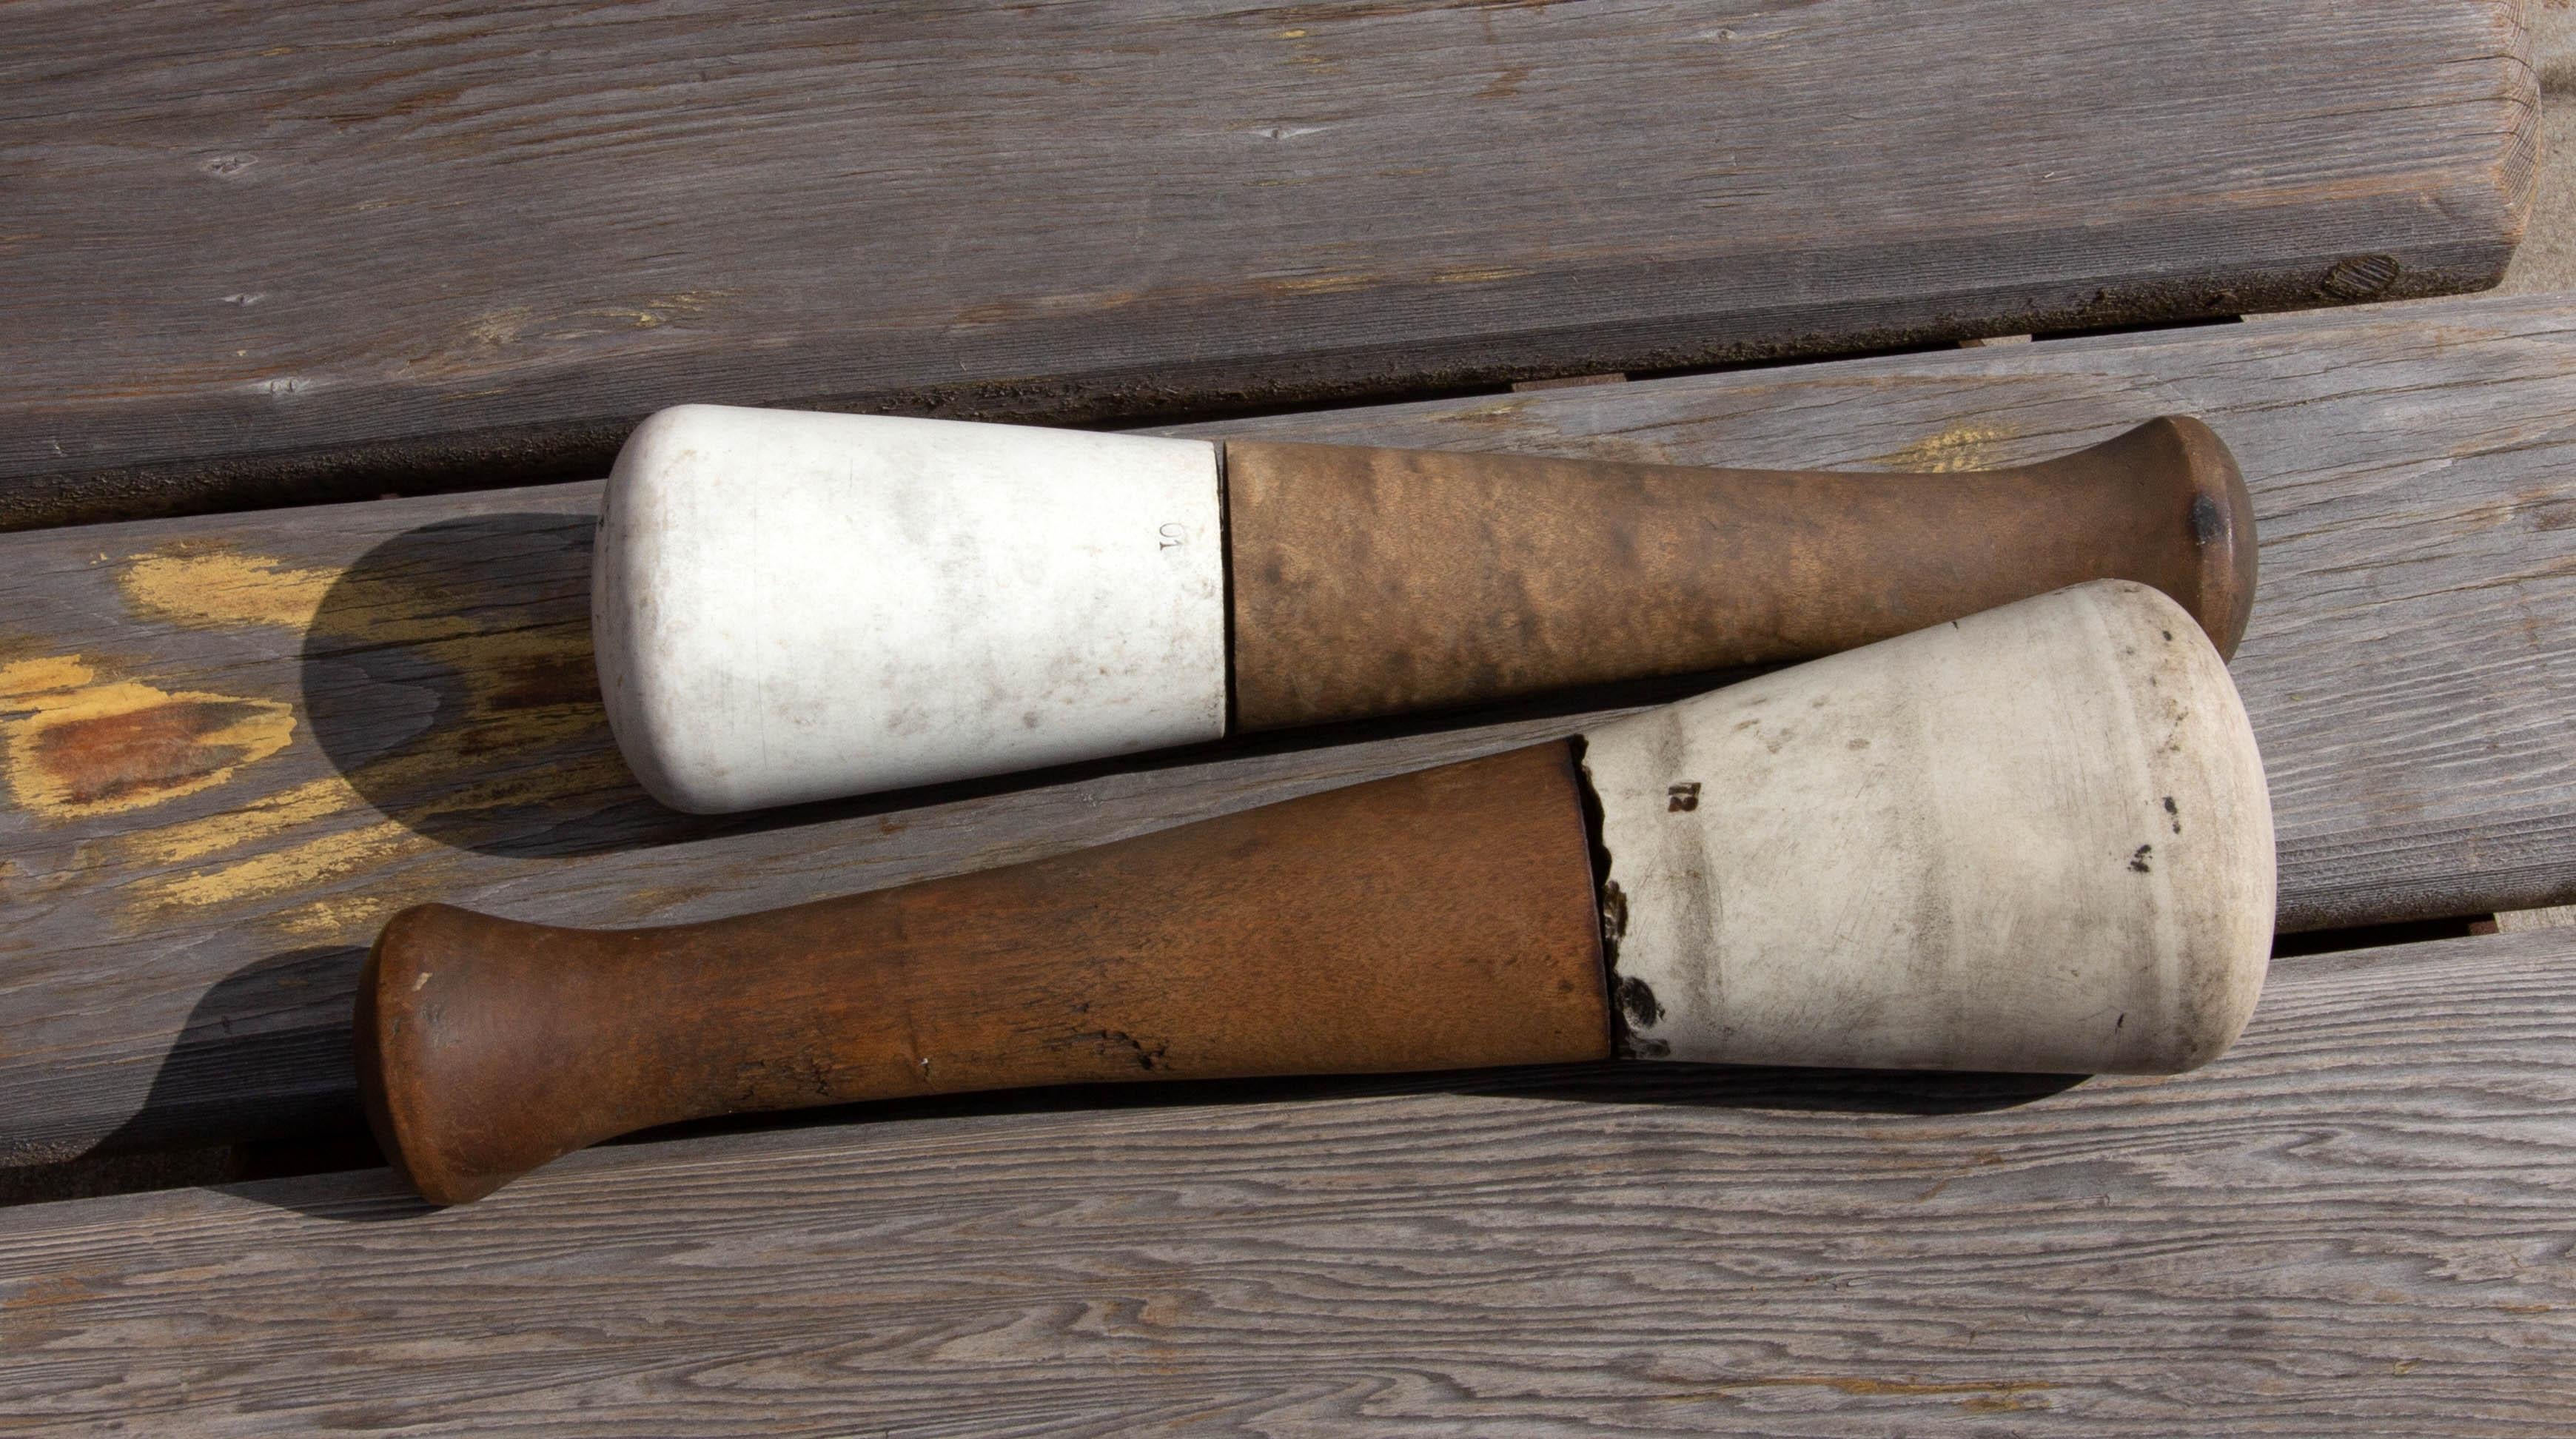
80 745
178 743
516 724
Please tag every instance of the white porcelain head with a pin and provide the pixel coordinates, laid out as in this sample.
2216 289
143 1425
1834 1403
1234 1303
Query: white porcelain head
2036 839
791 606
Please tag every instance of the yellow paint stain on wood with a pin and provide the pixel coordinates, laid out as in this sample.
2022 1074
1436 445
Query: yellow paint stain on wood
213 587
76 746
420 769
223 589
261 819
43 674
529 679
326 858
1960 447
295 867
351 918
1477 275
1501 412
1318 284
528 732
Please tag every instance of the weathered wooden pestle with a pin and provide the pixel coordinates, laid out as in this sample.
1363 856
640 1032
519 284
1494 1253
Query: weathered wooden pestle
2033 839
793 606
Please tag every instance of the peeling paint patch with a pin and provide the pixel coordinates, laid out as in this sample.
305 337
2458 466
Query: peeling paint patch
353 918
79 746
1614 912
271 873
1637 1001
259 819
214 588
292 868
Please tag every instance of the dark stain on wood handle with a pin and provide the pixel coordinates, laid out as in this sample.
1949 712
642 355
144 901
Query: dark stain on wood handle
1435 920
1376 581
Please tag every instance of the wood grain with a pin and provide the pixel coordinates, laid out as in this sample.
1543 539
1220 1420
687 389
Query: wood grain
185 920
329 251
2355 1223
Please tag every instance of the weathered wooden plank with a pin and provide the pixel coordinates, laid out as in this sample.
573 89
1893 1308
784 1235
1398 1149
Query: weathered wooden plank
322 251
2355 1223
234 747
2561 916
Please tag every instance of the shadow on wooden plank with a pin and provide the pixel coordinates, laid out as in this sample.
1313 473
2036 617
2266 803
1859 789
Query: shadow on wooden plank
226 1066
232 1076
448 676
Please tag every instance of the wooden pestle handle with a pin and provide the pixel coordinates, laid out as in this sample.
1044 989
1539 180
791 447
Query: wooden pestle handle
791 606
2033 838
1374 581
1437 920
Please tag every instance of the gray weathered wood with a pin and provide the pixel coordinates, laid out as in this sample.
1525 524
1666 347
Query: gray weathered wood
318 251
2562 916
177 961
2355 1223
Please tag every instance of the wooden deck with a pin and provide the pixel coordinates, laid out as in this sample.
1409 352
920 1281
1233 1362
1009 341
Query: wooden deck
378 704
2354 1223
333 254
332 250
